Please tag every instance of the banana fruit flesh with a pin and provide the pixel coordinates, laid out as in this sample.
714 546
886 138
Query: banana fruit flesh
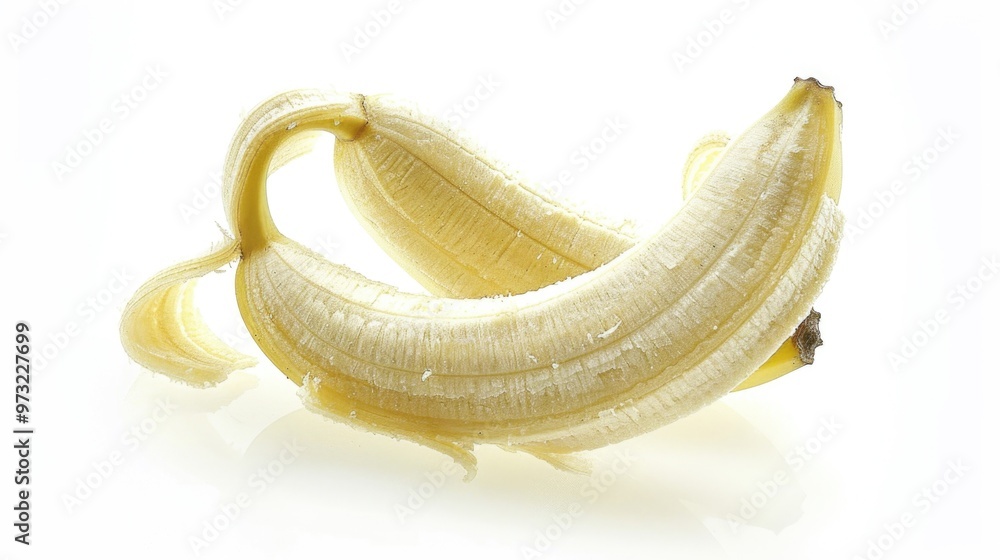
465 226
630 343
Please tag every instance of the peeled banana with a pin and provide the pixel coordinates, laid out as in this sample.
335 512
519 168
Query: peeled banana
674 322
464 225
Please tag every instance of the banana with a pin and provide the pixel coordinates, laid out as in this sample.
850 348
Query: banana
797 351
671 324
464 225
701 160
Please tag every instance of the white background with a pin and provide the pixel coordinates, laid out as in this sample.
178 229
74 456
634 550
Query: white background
854 439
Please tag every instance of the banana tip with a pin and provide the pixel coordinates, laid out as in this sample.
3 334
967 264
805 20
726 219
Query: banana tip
816 83
807 337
